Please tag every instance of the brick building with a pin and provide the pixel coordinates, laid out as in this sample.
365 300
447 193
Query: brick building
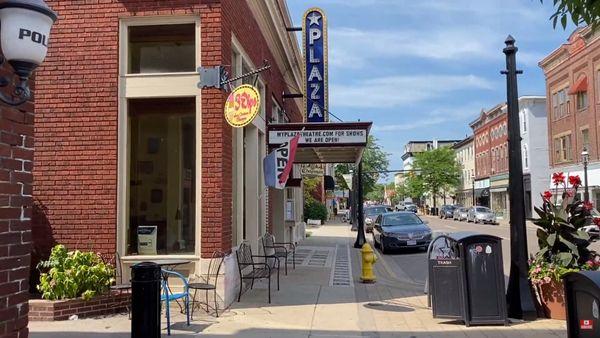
126 139
16 155
491 158
572 86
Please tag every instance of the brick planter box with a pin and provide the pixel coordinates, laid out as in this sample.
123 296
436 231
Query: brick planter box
51 310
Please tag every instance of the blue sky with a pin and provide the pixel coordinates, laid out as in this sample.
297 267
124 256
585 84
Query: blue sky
424 69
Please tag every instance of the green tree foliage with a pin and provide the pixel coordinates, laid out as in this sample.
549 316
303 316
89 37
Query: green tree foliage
376 195
374 160
436 170
579 12
310 185
314 209
414 187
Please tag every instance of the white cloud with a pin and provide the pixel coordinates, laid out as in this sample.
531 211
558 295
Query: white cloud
395 91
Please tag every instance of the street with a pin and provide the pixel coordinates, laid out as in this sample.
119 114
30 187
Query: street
411 265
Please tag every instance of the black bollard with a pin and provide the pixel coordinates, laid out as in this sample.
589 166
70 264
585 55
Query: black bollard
145 300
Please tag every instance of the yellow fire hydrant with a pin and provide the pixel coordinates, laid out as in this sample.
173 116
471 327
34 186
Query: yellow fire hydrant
368 259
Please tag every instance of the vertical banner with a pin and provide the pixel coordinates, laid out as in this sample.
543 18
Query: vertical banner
279 163
314 42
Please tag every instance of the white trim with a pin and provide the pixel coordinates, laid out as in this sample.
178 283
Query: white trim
185 85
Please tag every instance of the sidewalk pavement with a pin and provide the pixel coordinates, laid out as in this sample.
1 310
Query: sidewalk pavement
322 297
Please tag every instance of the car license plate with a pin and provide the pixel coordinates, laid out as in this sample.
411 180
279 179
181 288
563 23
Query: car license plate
413 242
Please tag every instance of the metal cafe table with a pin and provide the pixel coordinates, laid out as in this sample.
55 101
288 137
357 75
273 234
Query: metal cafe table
165 264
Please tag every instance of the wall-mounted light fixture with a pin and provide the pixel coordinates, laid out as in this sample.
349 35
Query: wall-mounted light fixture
24 35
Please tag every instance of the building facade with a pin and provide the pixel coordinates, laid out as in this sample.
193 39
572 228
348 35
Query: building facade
491 159
534 150
411 149
465 156
572 74
127 140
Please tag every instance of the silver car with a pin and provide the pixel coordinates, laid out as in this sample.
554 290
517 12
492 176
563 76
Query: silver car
481 215
460 214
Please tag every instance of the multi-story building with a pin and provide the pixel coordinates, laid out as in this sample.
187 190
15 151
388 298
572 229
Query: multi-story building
414 147
534 149
491 159
573 90
465 156
125 138
491 155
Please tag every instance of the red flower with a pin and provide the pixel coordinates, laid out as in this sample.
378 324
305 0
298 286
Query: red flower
558 178
588 205
547 195
570 193
597 221
575 181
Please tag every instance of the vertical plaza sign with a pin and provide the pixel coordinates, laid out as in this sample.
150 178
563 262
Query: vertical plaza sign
314 41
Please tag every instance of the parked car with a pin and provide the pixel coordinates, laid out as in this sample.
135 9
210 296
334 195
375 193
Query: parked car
406 206
371 214
402 229
592 229
460 214
481 215
447 211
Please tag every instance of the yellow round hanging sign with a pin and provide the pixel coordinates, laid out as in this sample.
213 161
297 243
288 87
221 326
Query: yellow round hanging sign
242 105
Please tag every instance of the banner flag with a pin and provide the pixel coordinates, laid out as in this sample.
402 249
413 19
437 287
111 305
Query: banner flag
279 163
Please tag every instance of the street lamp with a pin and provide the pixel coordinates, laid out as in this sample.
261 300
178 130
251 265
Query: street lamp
24 34
585 157
473 187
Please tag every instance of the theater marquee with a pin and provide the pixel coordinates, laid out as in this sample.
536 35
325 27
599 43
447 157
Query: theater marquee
314 41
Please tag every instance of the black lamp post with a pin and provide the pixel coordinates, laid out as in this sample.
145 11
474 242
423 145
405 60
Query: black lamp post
473 188
519 297
585 157
24 34
360 236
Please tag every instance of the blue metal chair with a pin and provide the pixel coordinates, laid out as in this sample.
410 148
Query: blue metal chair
168 295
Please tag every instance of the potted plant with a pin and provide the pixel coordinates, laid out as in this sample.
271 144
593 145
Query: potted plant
563 244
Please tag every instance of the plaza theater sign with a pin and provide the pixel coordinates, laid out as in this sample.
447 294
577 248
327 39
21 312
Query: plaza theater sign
314 37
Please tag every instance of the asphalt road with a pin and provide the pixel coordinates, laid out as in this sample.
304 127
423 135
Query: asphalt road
411 265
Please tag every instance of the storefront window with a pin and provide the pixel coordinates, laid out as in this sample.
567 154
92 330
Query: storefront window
162 166
161 49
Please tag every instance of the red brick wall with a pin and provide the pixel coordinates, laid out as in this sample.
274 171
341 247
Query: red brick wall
16 155
75 174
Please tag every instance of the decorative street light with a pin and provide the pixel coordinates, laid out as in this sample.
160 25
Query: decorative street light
473 187
519 296
585 157
24 34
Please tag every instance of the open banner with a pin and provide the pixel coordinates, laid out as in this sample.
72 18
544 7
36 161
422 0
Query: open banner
278 164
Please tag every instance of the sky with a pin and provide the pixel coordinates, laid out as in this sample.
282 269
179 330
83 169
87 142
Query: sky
424 69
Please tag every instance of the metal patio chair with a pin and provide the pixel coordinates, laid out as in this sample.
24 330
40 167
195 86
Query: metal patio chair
278 249
209 282
168 295
259 270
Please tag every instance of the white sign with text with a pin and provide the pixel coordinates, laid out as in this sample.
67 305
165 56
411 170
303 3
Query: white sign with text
335 136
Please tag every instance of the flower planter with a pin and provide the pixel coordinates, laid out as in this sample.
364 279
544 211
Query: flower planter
552 297
51 310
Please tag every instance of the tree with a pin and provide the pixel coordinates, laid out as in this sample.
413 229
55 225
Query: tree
375 195
579 12
436 170
374 161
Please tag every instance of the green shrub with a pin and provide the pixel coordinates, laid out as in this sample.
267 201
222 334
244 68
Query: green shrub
315 210
73 274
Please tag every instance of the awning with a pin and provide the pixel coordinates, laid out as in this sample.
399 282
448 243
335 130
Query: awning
323 142
579 86
329 183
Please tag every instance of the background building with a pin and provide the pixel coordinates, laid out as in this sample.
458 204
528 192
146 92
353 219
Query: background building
572 87
137 143
534 149
414 147
465 155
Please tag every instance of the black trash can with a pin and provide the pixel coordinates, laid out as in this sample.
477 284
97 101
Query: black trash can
145 300
582 293
466 278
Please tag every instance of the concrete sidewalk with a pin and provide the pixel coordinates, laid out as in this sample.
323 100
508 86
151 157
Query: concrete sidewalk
320 298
